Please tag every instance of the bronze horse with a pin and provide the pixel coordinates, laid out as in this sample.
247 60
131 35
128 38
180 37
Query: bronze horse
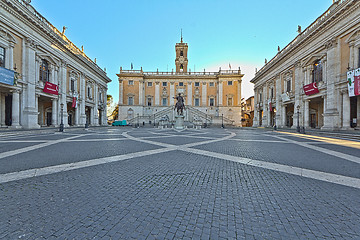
179 106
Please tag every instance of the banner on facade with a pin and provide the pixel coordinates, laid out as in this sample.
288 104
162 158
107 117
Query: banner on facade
6 76
285 97
74 102
357 82
311 89
51 88
350 83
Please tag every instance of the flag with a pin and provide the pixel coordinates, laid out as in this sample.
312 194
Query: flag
350 83
229 66
131 66
74 102
357 82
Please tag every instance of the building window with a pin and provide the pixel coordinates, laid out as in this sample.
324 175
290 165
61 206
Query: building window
229 83
271 93
131 101
230 101
100 97
72 85
89 92
317 72
181 53
260 97
149 101
181 84
197 102
2 57
211 84
164 84
149 84
212 101
288 85
181 67
164 102
44 71
197 84
131 82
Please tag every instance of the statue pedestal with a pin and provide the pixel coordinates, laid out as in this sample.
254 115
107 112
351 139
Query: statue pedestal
179 122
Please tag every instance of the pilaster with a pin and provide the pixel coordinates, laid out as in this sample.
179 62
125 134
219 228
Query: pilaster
15 118
203 94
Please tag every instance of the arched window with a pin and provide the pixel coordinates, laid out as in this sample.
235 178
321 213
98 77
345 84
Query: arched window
181 53
317 72
44 71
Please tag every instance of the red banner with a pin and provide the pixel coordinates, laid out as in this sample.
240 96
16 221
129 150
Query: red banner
357 82
311 89
51 88
74 102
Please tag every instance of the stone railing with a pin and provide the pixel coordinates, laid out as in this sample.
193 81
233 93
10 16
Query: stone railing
67 43
221 72
304 34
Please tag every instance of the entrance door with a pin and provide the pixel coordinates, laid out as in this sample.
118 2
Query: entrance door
8 110
313 120
353 112
48 118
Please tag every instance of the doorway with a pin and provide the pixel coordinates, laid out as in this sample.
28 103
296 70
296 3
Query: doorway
8 110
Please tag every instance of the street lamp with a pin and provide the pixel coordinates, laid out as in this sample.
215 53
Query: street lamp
138 124
298 118
62 118
222 120
275 128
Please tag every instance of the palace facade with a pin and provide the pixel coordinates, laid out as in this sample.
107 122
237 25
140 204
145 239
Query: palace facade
306 83
43 75
210 97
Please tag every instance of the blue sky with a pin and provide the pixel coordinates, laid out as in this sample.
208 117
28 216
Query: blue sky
142 32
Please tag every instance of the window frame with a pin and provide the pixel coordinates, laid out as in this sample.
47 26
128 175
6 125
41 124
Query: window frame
131 82
211 102
197 84
196 102
131 103
149 84
164 84
317 73
181 84
230 83
3 57
149 103
211 84
44 72
230 98
164 101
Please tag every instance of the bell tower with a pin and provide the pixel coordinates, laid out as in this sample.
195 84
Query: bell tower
181 61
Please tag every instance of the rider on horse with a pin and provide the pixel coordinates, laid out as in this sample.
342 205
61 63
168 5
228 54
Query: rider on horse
179 104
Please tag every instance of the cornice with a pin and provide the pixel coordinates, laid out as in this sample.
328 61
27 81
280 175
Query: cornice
26 16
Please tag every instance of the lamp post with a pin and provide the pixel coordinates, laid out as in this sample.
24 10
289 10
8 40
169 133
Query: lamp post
62 118
222 120
138 124
298 118
275 128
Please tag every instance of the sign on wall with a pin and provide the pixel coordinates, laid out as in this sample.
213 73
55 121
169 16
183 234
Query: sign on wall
311 89
51 88
6 76
353 82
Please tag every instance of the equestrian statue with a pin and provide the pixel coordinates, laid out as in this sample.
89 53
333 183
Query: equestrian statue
179 106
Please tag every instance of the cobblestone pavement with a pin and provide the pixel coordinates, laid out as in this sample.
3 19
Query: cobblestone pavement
126 183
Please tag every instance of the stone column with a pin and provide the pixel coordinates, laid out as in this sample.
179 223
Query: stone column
62 84
11 56
172 93
141 93
204 94
82 99
283 115
189 94
306 113
77 115
30 112
15 118
266 116
331 113
346 112
157 93
121 92
220 93
54 112
92 115
352 55
95 110
256 109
